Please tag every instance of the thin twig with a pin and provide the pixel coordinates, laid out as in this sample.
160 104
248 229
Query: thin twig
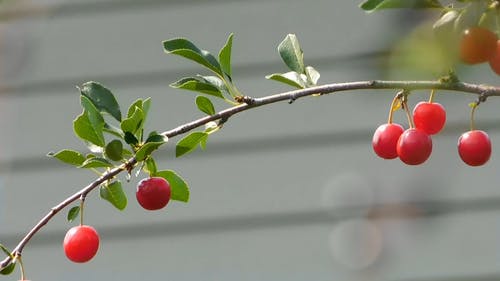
461 87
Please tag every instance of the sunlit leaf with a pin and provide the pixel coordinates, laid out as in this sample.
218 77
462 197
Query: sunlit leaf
186 49
179 187
205 105
114 194
84 129
189 143
291 78
68 156
102 98
96 162
312 75
148 148
198 84
134 123
94 115
225 56
291 53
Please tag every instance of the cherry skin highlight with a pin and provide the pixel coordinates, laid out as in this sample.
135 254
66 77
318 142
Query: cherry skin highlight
153 193
429 117
81 243
414 147
477 45
474 147
385 139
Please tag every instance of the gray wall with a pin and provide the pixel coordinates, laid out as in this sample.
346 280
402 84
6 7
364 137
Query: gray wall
285 192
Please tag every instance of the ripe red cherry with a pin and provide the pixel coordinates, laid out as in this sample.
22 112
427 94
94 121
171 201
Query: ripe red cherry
474 147
385 139
429 117
495 60
478 45
414 147
81 243
153 193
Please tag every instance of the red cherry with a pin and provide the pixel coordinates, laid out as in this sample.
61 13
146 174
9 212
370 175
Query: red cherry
385 139
429 117
414 147
478 45
153 193
474 147
81 243
495 60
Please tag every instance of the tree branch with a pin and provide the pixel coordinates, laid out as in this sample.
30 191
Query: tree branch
483 91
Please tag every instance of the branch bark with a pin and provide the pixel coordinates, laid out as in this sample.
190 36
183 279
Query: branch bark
483 91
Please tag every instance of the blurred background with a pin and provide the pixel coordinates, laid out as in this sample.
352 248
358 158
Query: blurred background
284 192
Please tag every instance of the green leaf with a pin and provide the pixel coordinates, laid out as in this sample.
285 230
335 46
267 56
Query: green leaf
130 139
186 49
114 194
146 150
73 213
150 166
83 129
198 84
127 153
291 78
102 98
8 269
146 104
68 156
291 53
312 75
133 106
93 114
205 105
114 150
216 82
225 56
134 123
6 251
189 143
155 137
96 162
179 188
112 130
373 5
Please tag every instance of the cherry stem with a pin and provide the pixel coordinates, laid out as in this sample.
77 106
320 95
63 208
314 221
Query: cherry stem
473 110
404 104
21 265
396 98
82 204
431 97
442 84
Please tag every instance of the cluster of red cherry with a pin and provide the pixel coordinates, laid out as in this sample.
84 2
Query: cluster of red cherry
414 145
82 242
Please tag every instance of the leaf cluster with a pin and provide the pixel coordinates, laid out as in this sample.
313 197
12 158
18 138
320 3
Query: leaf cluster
300 76
112 138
